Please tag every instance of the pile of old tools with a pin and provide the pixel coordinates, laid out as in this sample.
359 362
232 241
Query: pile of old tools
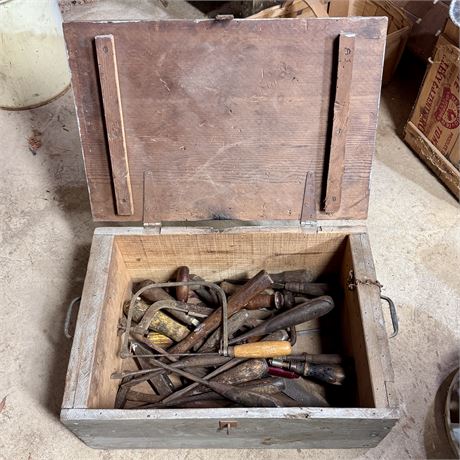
194 348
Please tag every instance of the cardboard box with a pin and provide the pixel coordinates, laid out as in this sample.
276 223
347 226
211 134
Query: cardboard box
433 127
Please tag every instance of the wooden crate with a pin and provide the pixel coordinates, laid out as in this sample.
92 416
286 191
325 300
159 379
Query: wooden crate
199 120
433 126
399 26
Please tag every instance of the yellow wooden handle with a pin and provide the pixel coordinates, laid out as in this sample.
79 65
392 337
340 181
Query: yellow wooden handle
261 350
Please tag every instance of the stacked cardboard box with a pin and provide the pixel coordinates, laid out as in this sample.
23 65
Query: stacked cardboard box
433 127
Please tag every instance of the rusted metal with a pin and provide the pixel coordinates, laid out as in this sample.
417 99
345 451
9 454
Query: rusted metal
207 296
235 322
237 395
124 353
292 276
311 289
236 302
155 294
182 275
252 369
329 373
321 358
307 311
275 300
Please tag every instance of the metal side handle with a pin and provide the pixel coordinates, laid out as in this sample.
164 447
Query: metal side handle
393 314
68 317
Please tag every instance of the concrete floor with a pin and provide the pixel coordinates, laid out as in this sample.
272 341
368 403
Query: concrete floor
46 229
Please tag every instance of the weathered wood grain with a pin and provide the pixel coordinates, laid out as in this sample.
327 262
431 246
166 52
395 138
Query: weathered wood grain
121 256
228 116
217 256
114 125
372 332
340 123
286 428
433 158
91 305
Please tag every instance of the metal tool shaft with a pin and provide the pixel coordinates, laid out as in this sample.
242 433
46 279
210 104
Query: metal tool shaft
305 312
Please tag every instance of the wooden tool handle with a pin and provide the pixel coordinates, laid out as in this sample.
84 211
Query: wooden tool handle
261 350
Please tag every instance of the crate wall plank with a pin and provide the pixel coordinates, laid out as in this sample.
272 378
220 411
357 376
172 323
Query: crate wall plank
93 292
373 325
239 123
286 428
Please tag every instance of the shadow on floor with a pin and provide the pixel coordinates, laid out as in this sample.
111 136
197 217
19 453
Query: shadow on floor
400 94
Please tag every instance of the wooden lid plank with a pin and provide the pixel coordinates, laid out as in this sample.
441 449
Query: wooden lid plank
228 117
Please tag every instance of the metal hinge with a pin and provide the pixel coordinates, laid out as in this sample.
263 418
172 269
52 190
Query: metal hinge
309 226
153 227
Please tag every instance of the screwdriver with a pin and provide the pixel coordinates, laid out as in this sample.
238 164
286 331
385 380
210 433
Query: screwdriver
304 312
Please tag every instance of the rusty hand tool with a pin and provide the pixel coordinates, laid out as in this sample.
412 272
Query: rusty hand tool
196 308
195 362
236 302
272 349
322 358
183 274
192 361
235 322
304 312
205 404
252 369
124 353
133 395
238 320
229 288
275 300
292 276
282 334
329 373
237 395
153 318
155 294
311 289
267 386
160 383
307 393
278 335
207 296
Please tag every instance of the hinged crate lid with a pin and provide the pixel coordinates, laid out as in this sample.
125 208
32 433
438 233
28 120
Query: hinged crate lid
240 119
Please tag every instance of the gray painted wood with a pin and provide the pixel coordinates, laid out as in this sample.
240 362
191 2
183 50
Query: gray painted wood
284 428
